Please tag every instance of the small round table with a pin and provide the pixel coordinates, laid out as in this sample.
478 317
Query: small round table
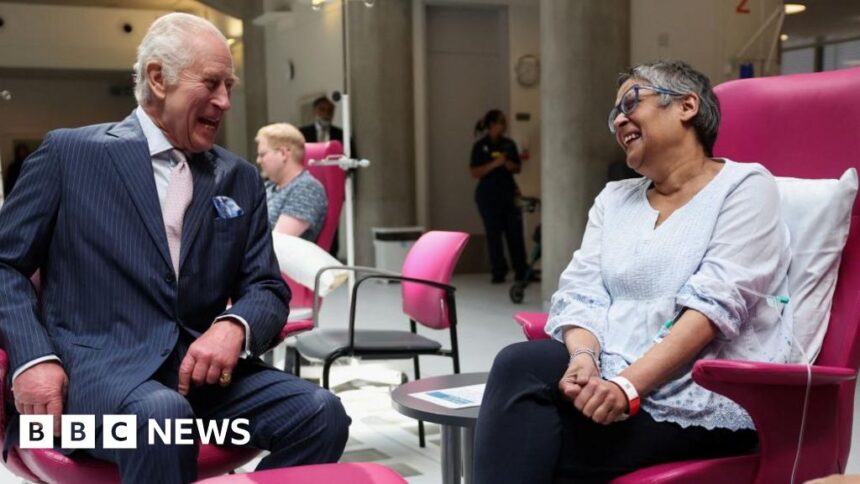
458 425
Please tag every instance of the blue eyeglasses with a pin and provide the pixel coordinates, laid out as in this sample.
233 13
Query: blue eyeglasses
630 100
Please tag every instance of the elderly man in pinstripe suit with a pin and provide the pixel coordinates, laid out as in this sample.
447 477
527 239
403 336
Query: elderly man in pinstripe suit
143 231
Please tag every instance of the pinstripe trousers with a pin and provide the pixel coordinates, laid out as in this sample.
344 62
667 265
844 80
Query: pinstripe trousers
296 421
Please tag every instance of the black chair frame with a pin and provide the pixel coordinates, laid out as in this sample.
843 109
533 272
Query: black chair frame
351 351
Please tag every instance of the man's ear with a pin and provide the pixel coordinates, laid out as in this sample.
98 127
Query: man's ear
689 106
156 81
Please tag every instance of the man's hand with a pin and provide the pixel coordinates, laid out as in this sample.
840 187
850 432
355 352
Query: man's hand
40 390
212 357
602 401
577 375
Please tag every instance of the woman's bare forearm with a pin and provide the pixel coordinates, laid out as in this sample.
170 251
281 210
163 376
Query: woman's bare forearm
576 338
687 338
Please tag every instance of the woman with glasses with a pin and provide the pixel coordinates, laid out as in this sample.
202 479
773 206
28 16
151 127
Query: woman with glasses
673 267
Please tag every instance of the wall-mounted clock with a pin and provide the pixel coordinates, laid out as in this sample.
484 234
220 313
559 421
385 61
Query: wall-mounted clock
528 70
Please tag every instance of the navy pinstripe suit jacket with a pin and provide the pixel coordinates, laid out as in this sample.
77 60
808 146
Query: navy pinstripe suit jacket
85 211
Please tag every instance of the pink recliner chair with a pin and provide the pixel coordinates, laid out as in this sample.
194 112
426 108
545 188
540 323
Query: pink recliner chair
332 179
802 126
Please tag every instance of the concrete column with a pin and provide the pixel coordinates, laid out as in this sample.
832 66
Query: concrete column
584 45
381 94
254 80
251 65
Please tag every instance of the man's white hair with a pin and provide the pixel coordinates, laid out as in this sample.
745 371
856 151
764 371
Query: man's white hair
166 43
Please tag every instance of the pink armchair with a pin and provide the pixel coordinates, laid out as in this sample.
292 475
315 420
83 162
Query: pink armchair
802 126
332 178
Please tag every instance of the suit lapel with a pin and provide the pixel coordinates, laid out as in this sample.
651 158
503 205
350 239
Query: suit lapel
203 169
130 154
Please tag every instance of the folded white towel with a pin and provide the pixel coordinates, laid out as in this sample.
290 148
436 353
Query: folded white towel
301 260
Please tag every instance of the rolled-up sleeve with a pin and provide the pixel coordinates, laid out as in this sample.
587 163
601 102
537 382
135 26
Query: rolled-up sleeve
748 250
582 299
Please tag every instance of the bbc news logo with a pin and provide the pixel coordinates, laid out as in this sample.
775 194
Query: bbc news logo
120 432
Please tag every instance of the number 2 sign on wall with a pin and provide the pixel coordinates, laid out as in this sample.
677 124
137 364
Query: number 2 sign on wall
742 7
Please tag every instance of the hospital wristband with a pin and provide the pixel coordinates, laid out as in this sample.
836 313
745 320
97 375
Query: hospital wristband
630 392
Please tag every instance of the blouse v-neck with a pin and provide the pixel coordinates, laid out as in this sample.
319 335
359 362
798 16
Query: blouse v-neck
656 213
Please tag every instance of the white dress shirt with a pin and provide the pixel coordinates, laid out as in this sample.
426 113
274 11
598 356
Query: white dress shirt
323 133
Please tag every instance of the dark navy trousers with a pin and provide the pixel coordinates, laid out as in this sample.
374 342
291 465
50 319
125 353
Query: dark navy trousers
296 421
527 432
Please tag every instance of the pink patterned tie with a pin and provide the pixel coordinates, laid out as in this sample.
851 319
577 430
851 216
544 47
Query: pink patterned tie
179 192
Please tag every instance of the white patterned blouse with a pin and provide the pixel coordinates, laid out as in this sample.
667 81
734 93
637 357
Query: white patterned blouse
720 254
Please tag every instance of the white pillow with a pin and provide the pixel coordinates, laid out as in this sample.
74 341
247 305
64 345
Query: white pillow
817 213
301 260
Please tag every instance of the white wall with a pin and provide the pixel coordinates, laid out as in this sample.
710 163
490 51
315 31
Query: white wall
55 37
71 40
467 74
523 38
39 105
705 33
61 37
78 39
313 42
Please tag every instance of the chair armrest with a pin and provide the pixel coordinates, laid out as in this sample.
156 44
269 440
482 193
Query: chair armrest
776 398
390 277
533 324
757 373
292 329
322 270
398 277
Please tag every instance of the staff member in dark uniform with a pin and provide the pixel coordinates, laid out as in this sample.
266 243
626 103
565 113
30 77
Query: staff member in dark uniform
495 160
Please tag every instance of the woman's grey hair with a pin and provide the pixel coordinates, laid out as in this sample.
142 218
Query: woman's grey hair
679 76
166 43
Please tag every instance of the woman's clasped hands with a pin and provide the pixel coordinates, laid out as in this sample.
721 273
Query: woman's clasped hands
600 400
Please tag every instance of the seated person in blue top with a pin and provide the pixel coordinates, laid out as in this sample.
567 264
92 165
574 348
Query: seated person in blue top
698 241
296 200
